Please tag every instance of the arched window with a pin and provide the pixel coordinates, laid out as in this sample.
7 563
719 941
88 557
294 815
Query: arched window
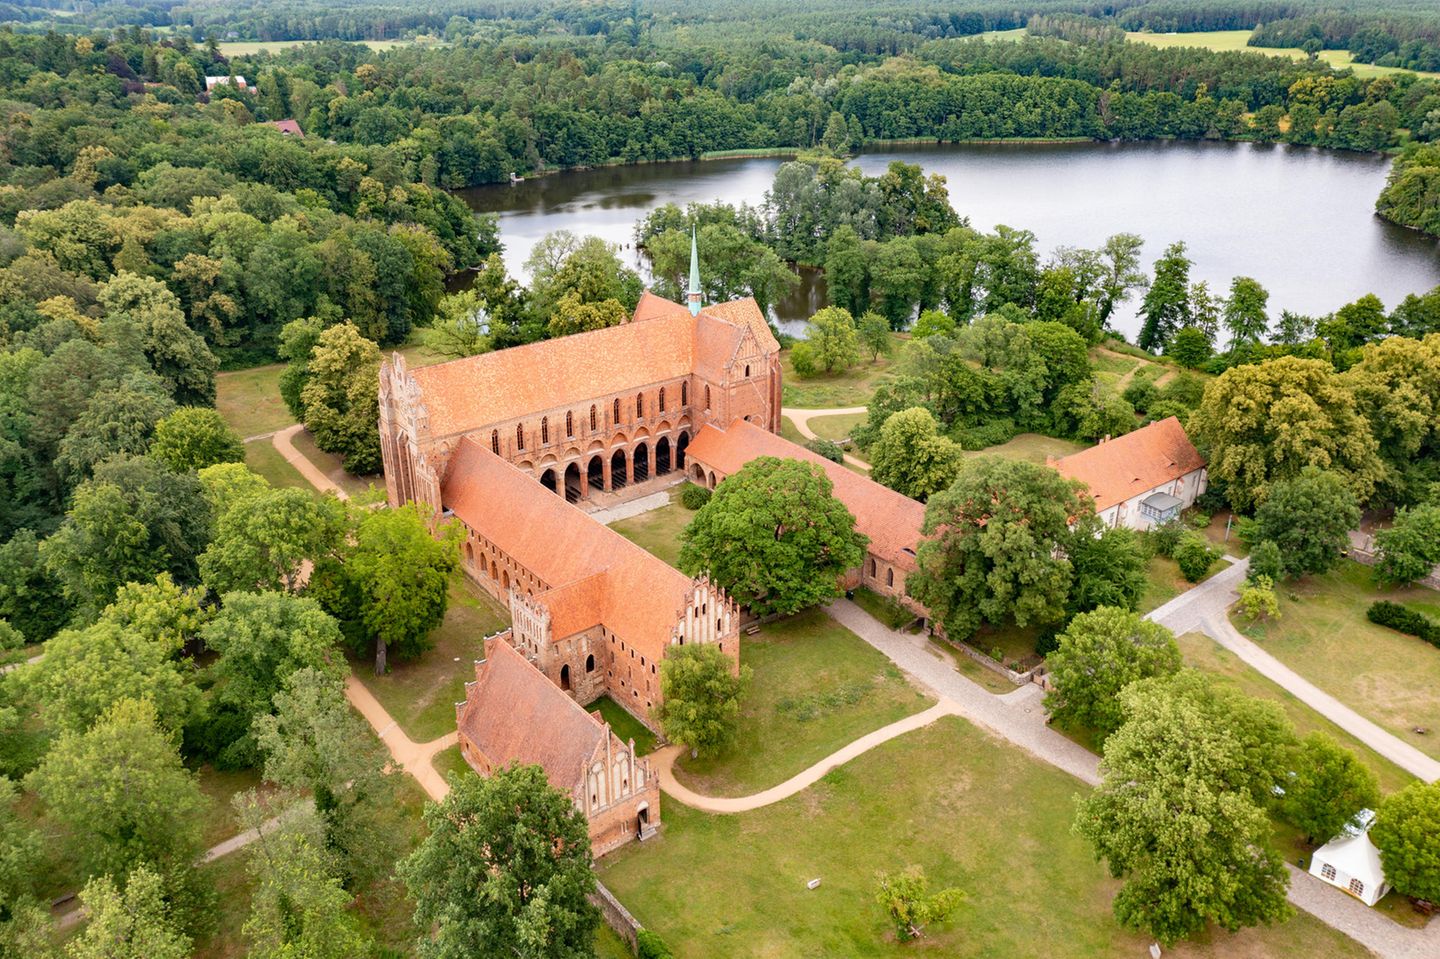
592 419
495 442
617 414
684 393
747 371
590 663
639 405
569 423
662 399
544 430
520 436
707 396
890 577
565 677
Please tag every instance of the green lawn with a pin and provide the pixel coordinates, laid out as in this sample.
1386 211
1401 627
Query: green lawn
250 400
853 387
888 611
973 811
1031 447
1322 634
1016 645
1203 653
421 695
1232 40
449 760
1164 582
262 457
658 531
624 725
331 466
789 432
836 428
218 787
816 686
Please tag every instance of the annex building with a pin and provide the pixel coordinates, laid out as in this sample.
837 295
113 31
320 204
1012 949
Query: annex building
1142 479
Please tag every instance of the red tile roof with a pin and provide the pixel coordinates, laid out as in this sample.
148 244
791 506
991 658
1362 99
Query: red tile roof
288 126
594 574
659 344
891 520
513 713
1134 463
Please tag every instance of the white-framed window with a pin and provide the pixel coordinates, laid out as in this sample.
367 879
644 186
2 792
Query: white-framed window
1357 887
1327 871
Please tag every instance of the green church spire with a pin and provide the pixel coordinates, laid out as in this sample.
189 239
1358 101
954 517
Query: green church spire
693 295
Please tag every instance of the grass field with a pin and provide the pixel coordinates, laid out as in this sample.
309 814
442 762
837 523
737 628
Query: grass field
836 428
421 695
658 531
853 387
973 811
245 48
816 686
1322 634
249 400
624 725
1031 447
262 457
1233 40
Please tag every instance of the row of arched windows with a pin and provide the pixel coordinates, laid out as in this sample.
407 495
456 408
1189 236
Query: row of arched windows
594 418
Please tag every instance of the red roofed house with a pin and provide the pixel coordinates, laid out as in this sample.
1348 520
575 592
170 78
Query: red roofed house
1141 479
288 127
891 520
513 714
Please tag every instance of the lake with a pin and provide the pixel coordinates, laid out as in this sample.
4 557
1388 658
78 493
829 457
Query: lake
1299 220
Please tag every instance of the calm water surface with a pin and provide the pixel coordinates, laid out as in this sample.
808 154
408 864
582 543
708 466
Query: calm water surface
1299 220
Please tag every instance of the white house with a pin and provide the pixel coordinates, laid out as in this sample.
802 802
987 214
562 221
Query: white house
213 82
1141 479
1351 862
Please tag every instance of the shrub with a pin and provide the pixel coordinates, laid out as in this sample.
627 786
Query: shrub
1141 393
1164 538
1046 643
992 433
650 946
1198 519
1213 499
1397 617
1265 561
10 637
1257 598
693 496
823 447
1195 556
803 359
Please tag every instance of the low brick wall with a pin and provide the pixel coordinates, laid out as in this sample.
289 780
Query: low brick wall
616 916
1368 557
1019 679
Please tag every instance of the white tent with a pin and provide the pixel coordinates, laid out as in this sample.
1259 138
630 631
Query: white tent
1351 862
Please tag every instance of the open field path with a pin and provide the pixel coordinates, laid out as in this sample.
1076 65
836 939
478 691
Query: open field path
284 443
665 763
411 756
801 419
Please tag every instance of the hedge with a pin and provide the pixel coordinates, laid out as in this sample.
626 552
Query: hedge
1397 617
693 497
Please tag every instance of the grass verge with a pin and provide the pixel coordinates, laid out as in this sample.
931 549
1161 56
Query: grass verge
658 531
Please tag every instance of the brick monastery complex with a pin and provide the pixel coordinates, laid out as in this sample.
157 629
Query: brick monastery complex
515 444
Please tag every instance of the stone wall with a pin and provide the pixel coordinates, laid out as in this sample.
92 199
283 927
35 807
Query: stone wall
616 916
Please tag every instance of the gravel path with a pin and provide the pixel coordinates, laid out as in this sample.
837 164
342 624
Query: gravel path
413 757
802 418
283 442
613 514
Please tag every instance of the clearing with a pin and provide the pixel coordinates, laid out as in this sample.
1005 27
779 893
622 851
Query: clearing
1238 40
1032 447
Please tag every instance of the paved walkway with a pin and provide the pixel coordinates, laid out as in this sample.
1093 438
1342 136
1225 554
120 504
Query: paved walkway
665 762
802 418
411 756
284 443
613 514
28 662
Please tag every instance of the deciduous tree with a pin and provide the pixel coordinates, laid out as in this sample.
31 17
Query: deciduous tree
774 537
701 708
1166 307
340 398
1329 786
906 898
911 457
1309 517
505 870
1099 654
1406 825
193 438
131 923
1410 548
265 541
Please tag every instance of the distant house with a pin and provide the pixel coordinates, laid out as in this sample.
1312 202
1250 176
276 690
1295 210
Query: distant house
288 127
513 713
213 82
1141 479
1351 862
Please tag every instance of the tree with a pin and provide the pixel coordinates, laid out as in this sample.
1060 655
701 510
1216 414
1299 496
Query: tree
1265 561
1406 825
31 599
1257 598
1264 422
193 438
142 310
911 457
1396 384
461 326
897 276
314 743
1121 272
20 866
905 897
505 870
1309 517
1109 567
1328 788
1194 555
1099 654
123 793
340 398
774 537
1410 548
390 589
1179 813
133 520
846 274
260 640
832 343
574 316
1166 307
267 540
1190 347
991 549
118 421
874 333
297 342
298 907
701 705
1245 315
133 923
